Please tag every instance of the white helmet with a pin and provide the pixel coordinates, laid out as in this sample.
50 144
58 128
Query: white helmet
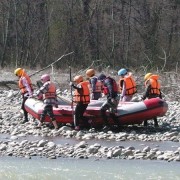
45 78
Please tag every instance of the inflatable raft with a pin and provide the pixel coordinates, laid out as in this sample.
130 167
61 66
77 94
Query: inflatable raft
128 113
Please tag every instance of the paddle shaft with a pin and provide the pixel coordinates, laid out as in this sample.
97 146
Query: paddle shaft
72 106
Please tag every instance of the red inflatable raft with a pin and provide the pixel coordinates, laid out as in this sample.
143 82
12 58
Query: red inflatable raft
128 112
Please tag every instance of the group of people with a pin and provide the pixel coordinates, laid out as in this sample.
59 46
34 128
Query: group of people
90 88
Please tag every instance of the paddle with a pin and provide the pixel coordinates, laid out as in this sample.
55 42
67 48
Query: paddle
72 106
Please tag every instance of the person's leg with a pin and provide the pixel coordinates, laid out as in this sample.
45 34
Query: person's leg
156 122
51 115
103 110
115 119
24 110
145 123
82 109
81 114
43 115
77 115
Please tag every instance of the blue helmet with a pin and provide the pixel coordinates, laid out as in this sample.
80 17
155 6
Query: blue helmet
122 72
101 77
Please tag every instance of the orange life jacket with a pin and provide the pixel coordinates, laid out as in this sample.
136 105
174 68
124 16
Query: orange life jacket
21 86
83 97
51 93
130 85
155 85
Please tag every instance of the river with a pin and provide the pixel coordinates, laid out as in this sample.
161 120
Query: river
38 168
79 169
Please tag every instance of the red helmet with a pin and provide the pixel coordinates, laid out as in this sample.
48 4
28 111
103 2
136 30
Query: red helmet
45 78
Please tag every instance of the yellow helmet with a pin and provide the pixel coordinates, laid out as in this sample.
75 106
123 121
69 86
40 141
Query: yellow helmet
90 72
78 79
18 71
147 76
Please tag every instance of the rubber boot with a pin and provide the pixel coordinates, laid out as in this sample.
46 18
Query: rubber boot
116 121
25 117
145 123
156 122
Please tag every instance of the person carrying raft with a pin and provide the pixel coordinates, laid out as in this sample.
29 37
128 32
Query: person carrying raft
47 92
152 90
127 85
25 87
95 85
81 98
110 89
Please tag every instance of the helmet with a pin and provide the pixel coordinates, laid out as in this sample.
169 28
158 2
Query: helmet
18 72
147 76
45 78
78 79
101 77
122 72
90 72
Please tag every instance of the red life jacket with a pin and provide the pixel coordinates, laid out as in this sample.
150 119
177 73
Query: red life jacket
114 86
98 86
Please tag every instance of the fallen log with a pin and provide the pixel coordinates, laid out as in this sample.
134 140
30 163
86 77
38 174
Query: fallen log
8 84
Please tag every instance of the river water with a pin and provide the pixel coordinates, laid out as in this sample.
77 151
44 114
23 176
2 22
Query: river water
80 169
70 168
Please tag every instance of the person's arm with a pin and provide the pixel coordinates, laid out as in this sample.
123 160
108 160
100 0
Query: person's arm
123 90
42 90
146 93
25 84
78 87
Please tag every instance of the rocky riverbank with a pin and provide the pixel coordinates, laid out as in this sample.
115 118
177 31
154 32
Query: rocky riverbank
18 144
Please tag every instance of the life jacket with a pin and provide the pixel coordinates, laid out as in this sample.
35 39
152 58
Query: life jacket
155 85
21 86
98 86
114 86
130 84
83 97
51 93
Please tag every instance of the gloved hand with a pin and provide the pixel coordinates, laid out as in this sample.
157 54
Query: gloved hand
113 100
142 98
71 83
28 96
